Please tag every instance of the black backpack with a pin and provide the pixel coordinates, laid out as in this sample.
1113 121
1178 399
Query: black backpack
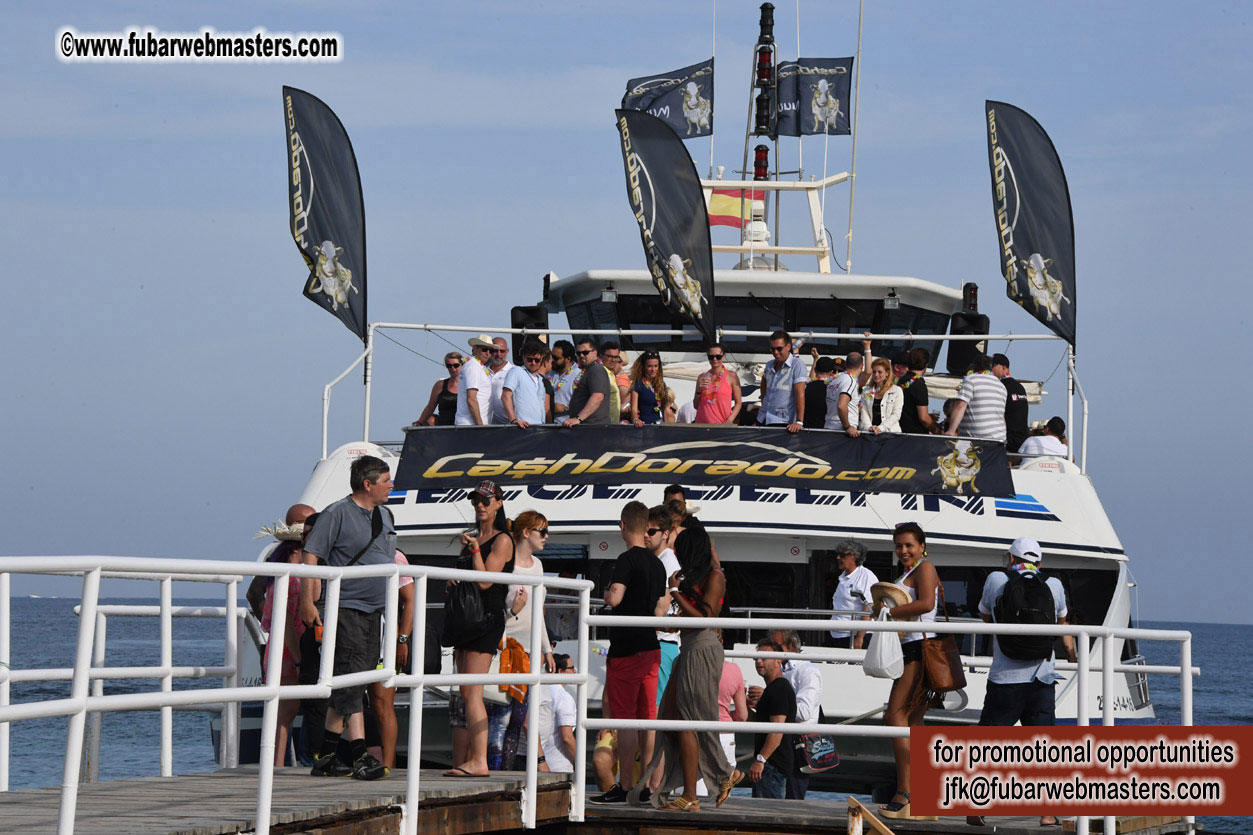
1026 598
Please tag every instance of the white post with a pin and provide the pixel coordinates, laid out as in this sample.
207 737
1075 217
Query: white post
417 654
1185 693
852 171
391 609
532 712
78 691
97 689
1107 704
229 743
369 371
5 661
330 618
1082 642
713 54
326 417
269 717
167 680
578 794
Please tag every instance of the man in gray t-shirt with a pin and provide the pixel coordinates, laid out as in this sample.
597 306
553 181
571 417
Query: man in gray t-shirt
592 400
356 530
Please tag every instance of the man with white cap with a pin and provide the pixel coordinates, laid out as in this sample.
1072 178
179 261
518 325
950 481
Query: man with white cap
474 387
1021 680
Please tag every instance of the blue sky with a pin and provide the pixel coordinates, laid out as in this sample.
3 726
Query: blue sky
164 374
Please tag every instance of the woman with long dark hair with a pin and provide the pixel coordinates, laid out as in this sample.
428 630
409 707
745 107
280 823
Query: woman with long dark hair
908 700
489 548
692 691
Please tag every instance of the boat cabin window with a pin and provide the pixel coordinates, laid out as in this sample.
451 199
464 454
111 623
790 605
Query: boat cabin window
756 313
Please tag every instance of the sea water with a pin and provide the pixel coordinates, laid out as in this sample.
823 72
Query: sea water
44 632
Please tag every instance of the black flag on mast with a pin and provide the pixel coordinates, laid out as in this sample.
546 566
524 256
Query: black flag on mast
683 99
815 96
1031 204
327 210
666 199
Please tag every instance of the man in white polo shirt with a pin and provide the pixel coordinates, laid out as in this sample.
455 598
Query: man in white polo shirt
852 592
980 408
474 387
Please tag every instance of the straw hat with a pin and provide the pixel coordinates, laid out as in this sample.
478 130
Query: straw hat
481 341
890 595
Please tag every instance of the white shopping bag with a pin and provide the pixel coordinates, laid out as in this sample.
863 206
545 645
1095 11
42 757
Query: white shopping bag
884 658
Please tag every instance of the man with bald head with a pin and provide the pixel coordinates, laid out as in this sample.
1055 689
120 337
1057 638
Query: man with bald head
289 538
498 368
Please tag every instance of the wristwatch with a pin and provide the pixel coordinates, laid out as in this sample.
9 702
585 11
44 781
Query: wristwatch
402 639
760 758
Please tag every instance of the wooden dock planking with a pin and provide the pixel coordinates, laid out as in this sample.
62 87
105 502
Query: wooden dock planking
788 817
224 802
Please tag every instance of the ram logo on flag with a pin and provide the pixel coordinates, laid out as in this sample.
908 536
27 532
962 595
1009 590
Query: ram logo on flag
732 206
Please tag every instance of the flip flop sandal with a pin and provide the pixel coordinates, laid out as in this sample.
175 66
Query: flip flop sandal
731 782
681 804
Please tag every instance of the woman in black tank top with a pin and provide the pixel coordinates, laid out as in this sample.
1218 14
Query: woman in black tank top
490 549
441 408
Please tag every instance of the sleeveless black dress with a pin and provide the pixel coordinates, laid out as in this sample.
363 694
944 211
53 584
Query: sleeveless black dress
446 406
493 604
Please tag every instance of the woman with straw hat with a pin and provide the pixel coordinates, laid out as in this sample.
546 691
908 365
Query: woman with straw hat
912 597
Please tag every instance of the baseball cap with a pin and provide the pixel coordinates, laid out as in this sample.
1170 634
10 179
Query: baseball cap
488 489
1025 549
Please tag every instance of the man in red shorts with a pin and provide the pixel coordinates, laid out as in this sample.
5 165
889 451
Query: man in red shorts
638 588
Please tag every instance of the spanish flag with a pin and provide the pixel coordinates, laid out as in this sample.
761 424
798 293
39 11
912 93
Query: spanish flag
728 208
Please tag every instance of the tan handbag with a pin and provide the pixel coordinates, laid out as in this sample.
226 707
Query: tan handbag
941 662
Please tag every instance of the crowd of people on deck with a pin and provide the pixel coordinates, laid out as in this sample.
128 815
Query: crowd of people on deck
584 383
669 568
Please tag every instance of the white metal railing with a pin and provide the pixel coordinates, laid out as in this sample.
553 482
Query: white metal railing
88 667
1083 634
368 357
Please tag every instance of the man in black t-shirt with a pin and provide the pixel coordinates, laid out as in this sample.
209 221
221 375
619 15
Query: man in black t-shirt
816 393
638 587
772 760
916 413
1015 404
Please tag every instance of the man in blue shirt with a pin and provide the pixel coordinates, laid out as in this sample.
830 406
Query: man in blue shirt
783 386
1021 690
523 397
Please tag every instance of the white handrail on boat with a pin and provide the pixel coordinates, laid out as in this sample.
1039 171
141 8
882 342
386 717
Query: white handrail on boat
88 665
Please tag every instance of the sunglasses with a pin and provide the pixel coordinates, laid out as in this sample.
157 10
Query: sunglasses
714 356
584 353
532 359
477 499
500 350
613 356
542 531
777 349
655 531
453 365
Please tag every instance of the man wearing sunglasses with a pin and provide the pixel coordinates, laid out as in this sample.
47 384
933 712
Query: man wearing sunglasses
783 386
595 399
498 367
523 398
565 372
474 388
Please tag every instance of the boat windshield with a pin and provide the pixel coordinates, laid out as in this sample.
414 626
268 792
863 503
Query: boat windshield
755 313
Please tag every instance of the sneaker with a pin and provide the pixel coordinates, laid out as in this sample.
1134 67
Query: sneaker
368 768
330 766
646 795
616 794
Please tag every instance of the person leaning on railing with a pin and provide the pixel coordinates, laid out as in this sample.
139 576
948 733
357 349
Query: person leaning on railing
650 398
719 397
441 409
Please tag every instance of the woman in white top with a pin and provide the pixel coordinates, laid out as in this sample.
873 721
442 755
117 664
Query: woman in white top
530 532
882 400
908 700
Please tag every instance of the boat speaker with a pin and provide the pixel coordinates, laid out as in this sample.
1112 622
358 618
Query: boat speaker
962 354
531 317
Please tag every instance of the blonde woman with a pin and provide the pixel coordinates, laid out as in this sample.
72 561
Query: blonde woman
651 400
882 400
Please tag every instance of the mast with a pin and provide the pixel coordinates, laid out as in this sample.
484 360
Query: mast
852 182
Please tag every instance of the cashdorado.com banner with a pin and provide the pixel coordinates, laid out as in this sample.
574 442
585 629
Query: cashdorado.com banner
697 455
